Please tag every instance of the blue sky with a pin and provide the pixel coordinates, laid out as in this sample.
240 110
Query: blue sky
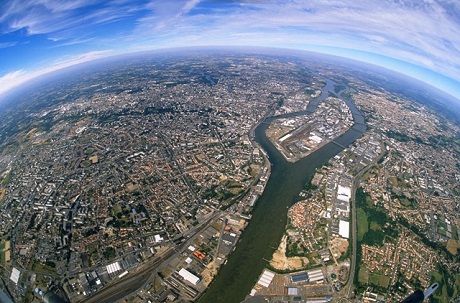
420 38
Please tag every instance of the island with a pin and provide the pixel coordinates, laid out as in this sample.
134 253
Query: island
224 176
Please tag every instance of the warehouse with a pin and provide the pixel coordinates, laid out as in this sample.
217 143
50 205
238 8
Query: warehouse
315 276
188 276
343 193
266 278
113 268
15 275
344 229
301 277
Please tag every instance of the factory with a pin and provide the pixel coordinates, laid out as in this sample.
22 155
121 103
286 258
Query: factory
315 276
311 276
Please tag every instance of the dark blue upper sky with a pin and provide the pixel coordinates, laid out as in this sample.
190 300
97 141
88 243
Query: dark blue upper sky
420 38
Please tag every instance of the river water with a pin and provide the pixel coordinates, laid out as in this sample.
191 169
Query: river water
267 225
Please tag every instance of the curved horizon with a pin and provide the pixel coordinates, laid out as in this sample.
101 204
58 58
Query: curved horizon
416 38
46 72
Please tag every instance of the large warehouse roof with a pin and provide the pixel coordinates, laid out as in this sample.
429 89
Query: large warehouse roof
343 193
114 267
188 276
344 229
266 278
15 275
302 277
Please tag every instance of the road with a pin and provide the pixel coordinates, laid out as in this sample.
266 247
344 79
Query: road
354 236
354 221
130 283
136 279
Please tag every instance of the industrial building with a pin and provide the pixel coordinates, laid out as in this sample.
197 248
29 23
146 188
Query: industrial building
291 291
113 268
266 278
315 276
15 273
188 276
300 277
344 229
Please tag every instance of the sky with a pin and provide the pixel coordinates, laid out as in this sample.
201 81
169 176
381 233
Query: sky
419 38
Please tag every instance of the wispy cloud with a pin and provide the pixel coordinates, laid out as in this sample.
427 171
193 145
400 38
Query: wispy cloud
62 18
421 32
18 77
72 41
7 44
164 14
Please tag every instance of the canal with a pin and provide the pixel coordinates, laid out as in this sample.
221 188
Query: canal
263 234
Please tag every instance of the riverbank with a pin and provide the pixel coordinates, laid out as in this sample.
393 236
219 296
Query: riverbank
264 232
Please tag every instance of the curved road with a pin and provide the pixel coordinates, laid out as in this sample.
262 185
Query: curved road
354 223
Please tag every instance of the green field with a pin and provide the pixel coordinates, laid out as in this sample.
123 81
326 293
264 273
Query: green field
86 163
116 209
372 234
363 275
6 179
362 224
372 221
35 265
89 151
392 181
379 280
375 226
405 202
441 295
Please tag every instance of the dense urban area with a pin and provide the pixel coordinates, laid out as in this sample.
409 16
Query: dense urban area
134 181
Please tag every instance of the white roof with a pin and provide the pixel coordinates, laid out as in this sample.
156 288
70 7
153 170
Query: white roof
188 276
285 137
293 291
316 139
191 248
266 278
343 193
316 275
158 238
15 275
314 272
344 229
114 267
315 279
188 260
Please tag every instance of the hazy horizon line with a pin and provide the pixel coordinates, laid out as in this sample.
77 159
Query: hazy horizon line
37 76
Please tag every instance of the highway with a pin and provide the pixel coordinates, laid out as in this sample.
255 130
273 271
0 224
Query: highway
354 221
354 236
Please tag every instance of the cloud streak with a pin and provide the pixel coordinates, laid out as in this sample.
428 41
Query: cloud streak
61 18
7 44
18 77
425 33
421 32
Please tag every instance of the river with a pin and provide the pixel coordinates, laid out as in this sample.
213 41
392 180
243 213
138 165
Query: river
267 225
